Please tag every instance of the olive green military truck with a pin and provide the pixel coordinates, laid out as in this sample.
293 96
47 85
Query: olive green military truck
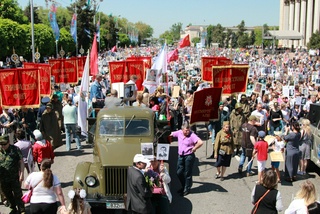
118 134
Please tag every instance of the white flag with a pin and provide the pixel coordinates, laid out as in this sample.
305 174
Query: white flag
160 65
83 105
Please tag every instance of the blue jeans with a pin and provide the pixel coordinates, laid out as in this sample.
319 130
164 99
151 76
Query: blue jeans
184 170
69 128
272 129
243 159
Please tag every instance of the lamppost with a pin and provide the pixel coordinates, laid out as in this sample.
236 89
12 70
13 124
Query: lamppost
32 30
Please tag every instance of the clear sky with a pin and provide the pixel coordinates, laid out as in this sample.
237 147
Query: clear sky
162 14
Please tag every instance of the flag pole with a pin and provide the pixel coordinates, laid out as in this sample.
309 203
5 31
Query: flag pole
75 11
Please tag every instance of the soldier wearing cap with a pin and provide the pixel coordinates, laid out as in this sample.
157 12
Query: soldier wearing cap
12 166
237 118
49 126
245 106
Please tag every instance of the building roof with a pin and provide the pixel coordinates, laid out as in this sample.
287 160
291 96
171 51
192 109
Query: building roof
284 34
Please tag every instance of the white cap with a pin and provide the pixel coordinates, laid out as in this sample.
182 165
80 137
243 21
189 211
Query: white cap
226 109
140 158
37 134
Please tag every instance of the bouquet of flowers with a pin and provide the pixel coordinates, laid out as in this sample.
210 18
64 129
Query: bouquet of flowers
152 178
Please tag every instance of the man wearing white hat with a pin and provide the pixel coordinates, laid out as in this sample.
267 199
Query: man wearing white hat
139 193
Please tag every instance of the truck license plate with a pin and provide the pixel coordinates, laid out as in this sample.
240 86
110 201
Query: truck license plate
115 205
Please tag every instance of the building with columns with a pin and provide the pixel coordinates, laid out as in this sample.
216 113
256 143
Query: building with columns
301 16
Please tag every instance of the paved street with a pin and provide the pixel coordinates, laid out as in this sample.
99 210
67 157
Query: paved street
208 195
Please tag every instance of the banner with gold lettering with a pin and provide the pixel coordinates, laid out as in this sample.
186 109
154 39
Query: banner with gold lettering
137 68
45 74
20 88
80 65
64 70
205 105
208 62
232 78
146 59
117 72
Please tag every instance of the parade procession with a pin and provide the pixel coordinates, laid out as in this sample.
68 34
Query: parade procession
103 113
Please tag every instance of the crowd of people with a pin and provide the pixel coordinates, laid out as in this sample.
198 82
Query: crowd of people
244 121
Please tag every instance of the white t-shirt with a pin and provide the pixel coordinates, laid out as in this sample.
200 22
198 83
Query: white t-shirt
40 193
278 145
297 206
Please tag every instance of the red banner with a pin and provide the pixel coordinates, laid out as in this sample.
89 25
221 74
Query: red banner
117 71
64 70
121 71
208 62
20 88
81 61
45 74
232 78
146 59
207 105
137 68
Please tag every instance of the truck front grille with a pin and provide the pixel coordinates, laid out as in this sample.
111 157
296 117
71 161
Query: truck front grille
116 180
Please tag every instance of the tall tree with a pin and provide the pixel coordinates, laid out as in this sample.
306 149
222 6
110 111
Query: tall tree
10 9
145 31
167 37
314 41
176 30
27 13
209 35
85 26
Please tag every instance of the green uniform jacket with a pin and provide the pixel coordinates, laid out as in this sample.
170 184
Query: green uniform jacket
236 121
224 141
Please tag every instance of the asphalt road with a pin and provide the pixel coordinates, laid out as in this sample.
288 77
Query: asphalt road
208 195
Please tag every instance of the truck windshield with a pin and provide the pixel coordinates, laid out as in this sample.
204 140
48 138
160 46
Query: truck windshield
122 126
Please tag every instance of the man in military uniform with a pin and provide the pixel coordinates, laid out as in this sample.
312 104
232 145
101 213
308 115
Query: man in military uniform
237 118
245 106
12 172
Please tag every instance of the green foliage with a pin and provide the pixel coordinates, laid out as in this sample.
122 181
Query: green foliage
218 35
243 38
314 41
44 40
145 31
175 30
124 40
209 35
167 37
27 13
195 40
10 10
252 37
258 36
66 41
12 35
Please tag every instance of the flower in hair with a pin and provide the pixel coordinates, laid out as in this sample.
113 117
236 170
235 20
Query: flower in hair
71 194
82 193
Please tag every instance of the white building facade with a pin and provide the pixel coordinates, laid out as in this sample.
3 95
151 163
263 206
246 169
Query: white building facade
302 16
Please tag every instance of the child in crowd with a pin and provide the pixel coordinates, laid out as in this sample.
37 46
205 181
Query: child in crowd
261 149
277 146
78 204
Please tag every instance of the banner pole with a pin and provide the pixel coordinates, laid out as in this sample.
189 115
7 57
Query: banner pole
206 124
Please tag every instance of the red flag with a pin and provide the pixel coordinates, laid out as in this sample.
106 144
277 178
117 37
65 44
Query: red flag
173 56
207 107
114 49
94 57
184 42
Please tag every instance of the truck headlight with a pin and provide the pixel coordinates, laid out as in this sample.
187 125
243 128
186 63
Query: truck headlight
90 181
